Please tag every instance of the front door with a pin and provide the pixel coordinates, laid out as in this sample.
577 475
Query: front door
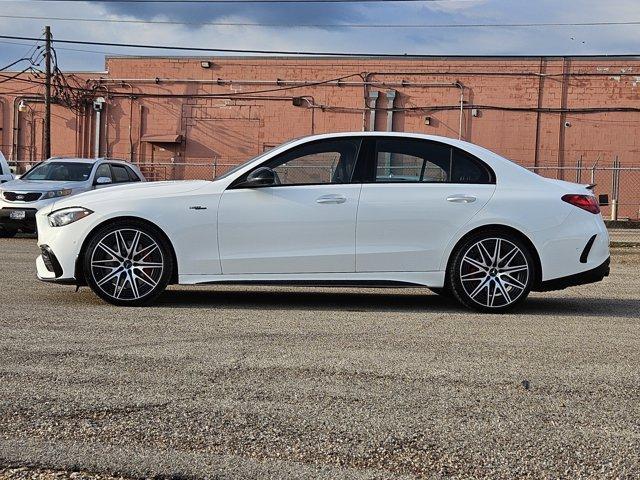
419 194
303 224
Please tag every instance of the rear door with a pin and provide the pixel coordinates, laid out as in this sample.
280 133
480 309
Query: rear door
305 224
419 194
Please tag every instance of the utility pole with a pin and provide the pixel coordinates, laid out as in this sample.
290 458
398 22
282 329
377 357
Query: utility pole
47 95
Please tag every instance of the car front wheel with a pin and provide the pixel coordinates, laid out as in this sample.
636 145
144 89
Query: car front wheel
129 263
492 272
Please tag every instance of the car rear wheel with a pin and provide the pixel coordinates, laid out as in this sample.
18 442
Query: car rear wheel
492 272
129 263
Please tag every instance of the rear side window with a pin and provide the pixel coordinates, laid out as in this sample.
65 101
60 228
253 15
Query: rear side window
399 160
468 169
120 174
132 175
408 160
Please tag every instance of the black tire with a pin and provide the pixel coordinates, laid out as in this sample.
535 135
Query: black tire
7 233
136 259
495 285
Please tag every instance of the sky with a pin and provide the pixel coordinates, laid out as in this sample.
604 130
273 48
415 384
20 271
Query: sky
438 41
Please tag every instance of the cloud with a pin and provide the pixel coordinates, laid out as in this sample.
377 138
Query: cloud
476 41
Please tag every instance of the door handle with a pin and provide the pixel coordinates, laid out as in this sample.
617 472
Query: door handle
461 199
324 199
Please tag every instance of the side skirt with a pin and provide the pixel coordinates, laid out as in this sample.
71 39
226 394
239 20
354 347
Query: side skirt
371 279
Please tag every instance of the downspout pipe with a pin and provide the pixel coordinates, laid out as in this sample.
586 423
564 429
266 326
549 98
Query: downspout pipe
372 101
16 127
96 140
98 106
391 105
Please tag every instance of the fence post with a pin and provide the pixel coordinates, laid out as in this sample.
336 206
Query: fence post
615 188
215 168
579 170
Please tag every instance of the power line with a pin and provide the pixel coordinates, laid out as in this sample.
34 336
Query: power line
260 1
295 53
332 25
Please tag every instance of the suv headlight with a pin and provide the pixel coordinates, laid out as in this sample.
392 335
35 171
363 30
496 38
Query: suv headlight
63 217
57 193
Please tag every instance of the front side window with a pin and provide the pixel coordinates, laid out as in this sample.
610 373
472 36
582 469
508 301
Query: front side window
60 171
320 162
400 160
104 171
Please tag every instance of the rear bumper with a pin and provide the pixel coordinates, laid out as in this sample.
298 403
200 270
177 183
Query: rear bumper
589 276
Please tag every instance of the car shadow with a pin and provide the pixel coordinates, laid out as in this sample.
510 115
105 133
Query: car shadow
292 299
383 301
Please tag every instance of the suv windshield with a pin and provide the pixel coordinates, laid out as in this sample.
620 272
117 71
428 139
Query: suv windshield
60 171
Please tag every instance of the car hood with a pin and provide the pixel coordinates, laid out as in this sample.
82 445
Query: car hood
131 192
38 185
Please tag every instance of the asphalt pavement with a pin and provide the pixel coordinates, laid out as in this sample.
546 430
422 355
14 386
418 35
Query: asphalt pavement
256 382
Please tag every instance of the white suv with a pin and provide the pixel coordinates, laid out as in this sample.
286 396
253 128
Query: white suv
54 178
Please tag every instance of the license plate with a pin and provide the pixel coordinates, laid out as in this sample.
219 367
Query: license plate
18 215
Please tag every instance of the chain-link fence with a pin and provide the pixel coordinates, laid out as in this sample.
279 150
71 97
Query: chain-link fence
617 187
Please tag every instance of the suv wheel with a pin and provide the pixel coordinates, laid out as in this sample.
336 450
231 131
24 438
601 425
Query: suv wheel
492 272
128 263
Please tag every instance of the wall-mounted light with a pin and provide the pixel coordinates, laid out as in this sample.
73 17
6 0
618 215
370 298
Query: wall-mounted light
205 64
475 112
23 106
427 120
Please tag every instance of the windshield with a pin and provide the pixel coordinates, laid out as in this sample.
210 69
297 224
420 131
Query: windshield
60 171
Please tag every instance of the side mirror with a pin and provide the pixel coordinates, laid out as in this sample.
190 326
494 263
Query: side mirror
260 177
103 181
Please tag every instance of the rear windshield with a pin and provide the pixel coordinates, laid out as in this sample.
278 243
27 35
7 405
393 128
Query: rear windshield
60 171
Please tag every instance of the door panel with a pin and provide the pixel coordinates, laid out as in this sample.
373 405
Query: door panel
288 229
406 227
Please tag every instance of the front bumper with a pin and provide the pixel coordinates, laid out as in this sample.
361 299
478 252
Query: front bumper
26 224
60 249
590 276
29 223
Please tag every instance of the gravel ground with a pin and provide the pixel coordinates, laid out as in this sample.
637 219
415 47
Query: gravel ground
238 382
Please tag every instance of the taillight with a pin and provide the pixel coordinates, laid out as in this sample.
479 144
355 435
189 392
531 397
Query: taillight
585 202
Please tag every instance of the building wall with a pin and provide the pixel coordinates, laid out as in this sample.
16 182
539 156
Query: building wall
517 106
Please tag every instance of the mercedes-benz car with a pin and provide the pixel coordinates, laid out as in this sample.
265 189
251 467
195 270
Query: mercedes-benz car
52 179
336 209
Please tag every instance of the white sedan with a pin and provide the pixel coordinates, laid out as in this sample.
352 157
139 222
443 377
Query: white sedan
337 209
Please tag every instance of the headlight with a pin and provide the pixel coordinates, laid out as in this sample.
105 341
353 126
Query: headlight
66 216
58 193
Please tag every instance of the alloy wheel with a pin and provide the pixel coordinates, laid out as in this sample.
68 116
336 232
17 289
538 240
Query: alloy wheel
127 264
494 272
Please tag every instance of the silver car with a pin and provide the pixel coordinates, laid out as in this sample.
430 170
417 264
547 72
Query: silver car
54 178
